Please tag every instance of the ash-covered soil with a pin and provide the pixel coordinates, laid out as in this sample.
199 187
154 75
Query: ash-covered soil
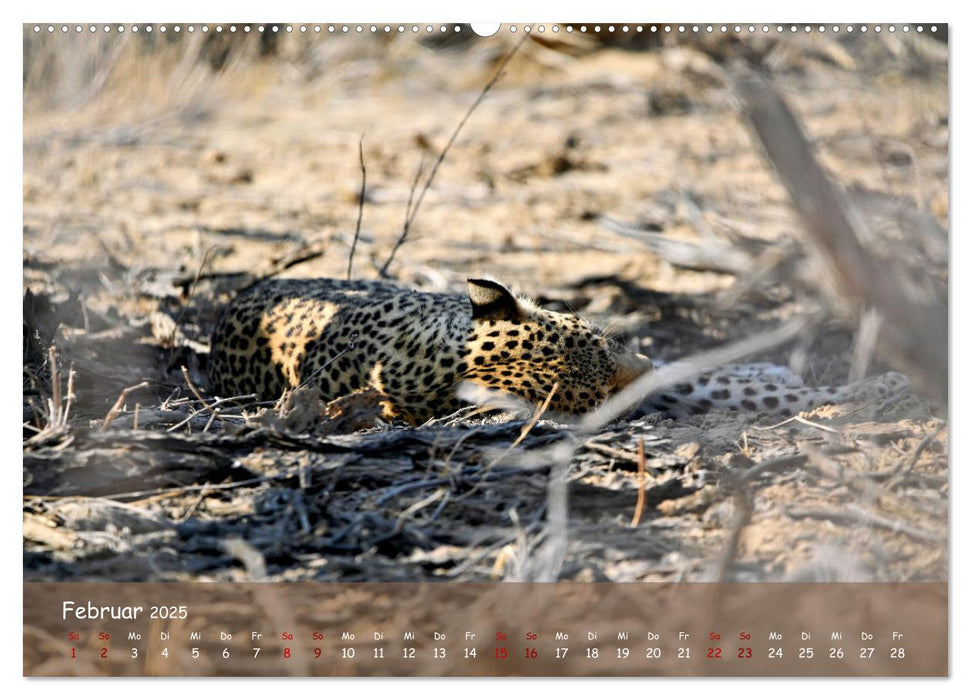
161 177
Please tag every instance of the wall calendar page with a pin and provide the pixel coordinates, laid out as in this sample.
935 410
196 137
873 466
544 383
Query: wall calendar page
467 350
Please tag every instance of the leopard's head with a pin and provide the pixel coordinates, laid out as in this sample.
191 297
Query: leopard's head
519 348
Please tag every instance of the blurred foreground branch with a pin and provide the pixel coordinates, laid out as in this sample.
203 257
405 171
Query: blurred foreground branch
914 333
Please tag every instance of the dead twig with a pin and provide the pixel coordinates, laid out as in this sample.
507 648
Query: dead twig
116 408
404 515
395 491
547 559
641 483
741 517
55 385
58 406
249 556
213 408
284 401
522 435
918 451
155 494
744 507
192 388
360 207
536 416
798 419
214 416
865 344
406 226
865 484
195 504
413 212
192 290
777 464
613 452
305 253
855 513
70 395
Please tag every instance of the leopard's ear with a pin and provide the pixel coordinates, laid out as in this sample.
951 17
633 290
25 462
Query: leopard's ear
491 301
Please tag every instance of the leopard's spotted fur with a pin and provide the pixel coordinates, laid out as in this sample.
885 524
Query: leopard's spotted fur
417 348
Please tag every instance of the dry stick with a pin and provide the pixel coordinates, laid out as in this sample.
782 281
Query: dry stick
281 404
192 288
55 386
771 465
863 483
741 518
502 545
304 253
165 492
548 558
406 226
744 508
797 419
914 334
116 409
213 408
928 439
215 414
641 464
817 426
70 394
446 465
441 156
414 508
536 416
360 206
192 387
522 436
195 504
615 453
301 508
409 205
856 513
865 344
38 416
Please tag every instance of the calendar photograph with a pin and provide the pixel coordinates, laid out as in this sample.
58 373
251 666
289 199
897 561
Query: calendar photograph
376 349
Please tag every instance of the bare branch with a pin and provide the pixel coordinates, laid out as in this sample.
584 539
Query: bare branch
914 334
641 480
409 220
360 206
116 408
406 227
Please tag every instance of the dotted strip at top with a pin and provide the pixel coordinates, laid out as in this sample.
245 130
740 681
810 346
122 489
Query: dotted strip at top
512 28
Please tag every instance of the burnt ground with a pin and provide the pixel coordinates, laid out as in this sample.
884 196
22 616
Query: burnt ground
161 177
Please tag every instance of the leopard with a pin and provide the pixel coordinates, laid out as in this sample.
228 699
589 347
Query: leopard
417 349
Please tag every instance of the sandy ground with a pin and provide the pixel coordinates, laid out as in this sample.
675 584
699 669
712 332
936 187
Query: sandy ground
158 179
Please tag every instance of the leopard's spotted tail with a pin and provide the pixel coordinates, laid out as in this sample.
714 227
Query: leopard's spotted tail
763 387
